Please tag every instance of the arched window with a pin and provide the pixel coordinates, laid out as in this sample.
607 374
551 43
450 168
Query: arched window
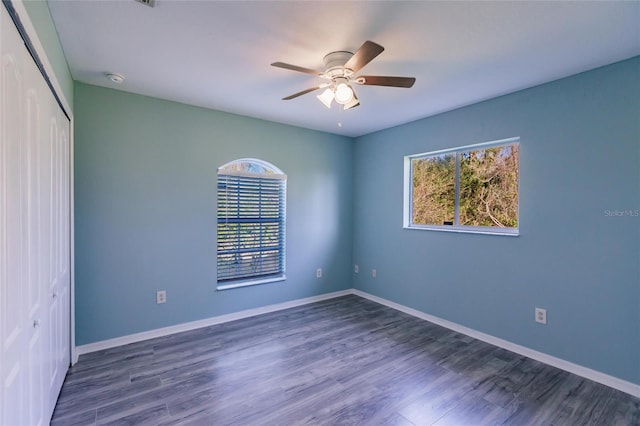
251 223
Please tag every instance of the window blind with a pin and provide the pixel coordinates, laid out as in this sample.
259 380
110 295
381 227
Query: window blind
251 226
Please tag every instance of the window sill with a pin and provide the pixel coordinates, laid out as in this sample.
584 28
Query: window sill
248 283
467 230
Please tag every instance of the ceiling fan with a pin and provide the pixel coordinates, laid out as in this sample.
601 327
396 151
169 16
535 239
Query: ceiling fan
340 70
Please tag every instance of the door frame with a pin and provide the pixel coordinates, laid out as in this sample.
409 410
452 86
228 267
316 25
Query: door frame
33 43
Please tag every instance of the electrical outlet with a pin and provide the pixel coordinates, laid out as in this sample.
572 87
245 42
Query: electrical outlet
161 296
541 315
374 273
355 268
319 273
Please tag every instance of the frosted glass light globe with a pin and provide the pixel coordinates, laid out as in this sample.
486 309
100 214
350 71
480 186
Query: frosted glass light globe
344 93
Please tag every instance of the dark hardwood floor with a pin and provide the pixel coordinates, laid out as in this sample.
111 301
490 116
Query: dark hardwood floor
338 362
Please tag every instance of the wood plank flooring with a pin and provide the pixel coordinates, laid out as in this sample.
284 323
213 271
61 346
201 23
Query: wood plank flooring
344 361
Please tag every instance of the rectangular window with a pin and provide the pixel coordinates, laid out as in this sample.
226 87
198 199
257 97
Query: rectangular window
251 220
466 189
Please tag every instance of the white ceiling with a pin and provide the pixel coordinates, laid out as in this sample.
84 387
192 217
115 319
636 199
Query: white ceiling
217 54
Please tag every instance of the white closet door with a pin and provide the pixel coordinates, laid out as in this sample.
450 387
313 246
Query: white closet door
15 329
36 359
34 237
58 282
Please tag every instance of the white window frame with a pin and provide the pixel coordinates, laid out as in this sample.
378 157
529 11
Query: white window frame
407 215
274 173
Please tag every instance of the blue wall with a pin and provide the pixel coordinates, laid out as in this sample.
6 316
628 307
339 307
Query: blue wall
145 185
579 156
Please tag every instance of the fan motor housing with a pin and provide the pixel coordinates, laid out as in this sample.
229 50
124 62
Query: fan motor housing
334 64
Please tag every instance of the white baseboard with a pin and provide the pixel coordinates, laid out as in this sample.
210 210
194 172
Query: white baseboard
596 376
165 331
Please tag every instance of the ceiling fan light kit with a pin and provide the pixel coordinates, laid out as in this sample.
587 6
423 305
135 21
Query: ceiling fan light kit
353 103
326 97
344 93
340 70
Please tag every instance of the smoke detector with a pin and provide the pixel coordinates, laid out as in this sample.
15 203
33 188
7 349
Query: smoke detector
150 3
115 78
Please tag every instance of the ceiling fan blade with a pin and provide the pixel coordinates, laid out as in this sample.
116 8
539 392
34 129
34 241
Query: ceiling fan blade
381 80
304 92
296 68
364 55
